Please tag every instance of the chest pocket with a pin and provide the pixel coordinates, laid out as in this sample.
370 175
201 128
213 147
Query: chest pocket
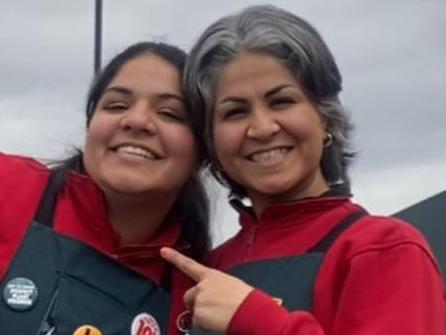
78 286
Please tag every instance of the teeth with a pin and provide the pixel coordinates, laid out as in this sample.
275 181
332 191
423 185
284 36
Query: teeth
137 151
269 156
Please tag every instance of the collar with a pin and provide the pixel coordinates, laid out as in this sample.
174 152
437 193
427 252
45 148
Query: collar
293 212
168 236
91 200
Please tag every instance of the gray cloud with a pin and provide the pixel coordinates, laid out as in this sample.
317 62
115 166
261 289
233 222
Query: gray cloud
391 54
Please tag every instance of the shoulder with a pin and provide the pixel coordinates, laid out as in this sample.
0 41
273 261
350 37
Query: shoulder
378 234
22 181
17 163
380 264
377 250
21 176
382 231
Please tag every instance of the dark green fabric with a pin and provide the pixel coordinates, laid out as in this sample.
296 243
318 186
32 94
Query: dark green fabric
288 278
78 286
291 278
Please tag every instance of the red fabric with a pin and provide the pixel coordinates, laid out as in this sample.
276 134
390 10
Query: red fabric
379 277
80 214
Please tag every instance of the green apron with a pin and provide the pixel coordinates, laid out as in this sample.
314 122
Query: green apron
291 278
71 284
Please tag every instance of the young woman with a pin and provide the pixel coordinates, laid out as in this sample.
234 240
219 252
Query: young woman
79 243
307 260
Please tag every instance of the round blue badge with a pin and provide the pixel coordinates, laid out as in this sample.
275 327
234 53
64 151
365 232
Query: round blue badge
20 293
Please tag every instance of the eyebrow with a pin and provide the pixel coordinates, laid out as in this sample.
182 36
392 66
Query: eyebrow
277 89
268 94
118 89
161 96
166 96
231 99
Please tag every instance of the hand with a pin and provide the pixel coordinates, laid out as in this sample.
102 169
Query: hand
216 296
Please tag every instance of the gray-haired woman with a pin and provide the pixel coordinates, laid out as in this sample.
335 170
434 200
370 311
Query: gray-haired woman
306 259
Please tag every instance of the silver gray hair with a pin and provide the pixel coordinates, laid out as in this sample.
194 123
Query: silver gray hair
292 41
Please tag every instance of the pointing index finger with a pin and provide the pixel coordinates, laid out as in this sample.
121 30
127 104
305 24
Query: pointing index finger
187 265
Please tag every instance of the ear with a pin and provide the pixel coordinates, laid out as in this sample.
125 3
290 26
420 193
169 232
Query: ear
328 139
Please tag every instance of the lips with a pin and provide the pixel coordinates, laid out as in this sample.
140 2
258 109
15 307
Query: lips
137 150
269 155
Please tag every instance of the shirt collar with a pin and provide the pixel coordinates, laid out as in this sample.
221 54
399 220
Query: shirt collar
169 235
285 213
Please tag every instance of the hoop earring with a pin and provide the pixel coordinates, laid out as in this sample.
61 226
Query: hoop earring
328 140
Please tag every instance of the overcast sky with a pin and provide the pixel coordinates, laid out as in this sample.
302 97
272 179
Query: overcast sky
392 55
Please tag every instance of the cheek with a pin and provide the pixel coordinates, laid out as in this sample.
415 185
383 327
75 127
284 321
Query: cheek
95 139
306 126
183 144
98 130
228 140
89 153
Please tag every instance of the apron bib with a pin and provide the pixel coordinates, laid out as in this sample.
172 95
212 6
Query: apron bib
290 279
55 285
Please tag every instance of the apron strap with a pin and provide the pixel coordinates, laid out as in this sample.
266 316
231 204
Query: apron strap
45 212
331 237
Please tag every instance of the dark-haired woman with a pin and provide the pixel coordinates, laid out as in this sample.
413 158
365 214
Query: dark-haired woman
79 243
307 260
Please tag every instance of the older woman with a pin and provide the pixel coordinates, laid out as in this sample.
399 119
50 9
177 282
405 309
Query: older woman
307 260
79 243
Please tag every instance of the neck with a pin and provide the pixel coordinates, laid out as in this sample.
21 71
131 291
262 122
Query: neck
137 218
313 188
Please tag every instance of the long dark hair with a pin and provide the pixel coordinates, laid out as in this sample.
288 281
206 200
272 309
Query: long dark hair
192 204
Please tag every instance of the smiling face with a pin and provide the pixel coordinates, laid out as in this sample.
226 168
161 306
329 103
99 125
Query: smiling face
138 140
268 136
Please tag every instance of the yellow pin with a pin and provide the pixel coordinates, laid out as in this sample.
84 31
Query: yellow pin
87 330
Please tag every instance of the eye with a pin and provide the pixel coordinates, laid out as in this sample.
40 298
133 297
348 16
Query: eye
282 102
115 106
172 114
234 113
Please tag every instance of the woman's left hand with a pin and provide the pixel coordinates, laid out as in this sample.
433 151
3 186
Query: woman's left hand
216 296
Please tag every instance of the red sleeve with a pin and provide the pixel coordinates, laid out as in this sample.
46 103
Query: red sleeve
22 181
391 290
259 314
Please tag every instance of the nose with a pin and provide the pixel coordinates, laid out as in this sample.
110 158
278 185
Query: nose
262 125
139 119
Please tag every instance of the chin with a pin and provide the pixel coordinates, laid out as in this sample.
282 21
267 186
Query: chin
272 190
277 189
124 189
123 185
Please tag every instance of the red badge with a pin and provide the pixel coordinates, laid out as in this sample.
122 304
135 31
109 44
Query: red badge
145 324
